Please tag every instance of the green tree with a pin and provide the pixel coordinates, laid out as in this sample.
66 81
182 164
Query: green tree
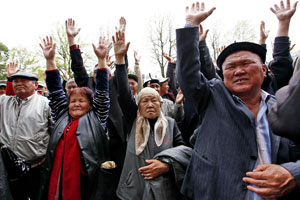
3 59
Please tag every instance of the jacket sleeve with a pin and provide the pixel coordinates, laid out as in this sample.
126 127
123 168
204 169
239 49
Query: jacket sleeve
208 68
171 74
101 101
282 63
80 74
9 88
193 83
58 99
126 99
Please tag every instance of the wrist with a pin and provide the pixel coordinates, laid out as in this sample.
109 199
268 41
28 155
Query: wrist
120 59
71 41
101 63
50 64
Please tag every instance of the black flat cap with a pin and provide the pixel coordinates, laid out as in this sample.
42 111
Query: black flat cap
26 75
241 46
134 77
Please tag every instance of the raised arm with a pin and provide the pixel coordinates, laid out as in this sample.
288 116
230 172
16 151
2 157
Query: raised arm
80 74
126 99
11 69
137 70
263 34
282 63
101 101
57 97
193 84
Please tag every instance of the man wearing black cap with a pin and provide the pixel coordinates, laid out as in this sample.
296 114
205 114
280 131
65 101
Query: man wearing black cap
2 88
133 83
25 128
236 155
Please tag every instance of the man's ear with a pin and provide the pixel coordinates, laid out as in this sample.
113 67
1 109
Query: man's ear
36 84
264 68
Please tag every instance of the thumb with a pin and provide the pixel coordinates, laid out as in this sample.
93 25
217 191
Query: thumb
127 46
149 161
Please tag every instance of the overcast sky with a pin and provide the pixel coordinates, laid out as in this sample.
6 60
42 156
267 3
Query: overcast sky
24 22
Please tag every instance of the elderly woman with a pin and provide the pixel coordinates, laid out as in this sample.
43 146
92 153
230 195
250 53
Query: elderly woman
77 154
156 159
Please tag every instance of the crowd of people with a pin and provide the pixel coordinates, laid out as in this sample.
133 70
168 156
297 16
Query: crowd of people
209 130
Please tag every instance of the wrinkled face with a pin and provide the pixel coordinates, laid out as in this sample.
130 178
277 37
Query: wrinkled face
243 73
24 87
155 86
164 88
71 86
2 90
79 105
149 107
133 85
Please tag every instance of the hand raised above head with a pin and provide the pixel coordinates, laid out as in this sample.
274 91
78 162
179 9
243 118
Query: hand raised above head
284 13
120 46
263 33
12 69
202 34
197 14
71 29
103 47
137 57
48 48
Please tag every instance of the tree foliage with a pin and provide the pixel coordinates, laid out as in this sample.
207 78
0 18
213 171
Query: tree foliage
4 55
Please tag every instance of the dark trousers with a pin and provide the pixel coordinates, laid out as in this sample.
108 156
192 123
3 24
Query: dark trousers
27 186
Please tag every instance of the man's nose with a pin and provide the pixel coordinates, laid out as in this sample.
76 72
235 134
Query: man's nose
239 71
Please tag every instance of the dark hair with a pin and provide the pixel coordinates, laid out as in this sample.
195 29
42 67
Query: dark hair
83 91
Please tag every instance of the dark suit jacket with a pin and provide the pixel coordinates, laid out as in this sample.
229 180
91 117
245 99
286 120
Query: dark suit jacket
284 115
225 147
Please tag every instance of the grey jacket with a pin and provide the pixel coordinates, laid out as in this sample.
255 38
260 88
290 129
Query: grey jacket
25 127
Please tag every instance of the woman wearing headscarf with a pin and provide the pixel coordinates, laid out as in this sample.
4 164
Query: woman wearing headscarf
156 157
77 163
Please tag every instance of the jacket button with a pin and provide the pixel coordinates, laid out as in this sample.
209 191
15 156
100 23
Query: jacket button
244 186
253 157
87 165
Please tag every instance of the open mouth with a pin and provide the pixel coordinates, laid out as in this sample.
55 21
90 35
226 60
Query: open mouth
240 80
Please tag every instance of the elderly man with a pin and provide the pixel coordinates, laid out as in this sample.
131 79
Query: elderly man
25 128
236 155
2 88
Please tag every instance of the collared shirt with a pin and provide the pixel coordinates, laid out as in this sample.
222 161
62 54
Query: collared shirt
263 140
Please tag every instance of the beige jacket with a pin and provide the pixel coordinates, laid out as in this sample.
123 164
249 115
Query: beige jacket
25 126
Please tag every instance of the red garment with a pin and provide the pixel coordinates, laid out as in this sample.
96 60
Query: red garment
68 151
9 89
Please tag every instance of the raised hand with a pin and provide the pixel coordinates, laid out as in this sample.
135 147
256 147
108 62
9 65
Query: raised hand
202 34
154 169
137 57
120 47
12 69
179 97
284 12
49 52
101 51
71 31
263 33
48 48
122 26
197 14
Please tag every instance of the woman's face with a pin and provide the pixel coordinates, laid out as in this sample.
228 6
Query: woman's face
149 107
79 105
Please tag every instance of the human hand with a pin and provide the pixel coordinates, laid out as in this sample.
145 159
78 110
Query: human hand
12 69
179 97
292 47
103 48
122 26
71 31
120 47
109 62
263 33
154 169
197 14
202 35
220 49
284 13
66 76
137 58
48 48
273 181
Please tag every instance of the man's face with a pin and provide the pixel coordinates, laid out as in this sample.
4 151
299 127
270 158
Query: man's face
71 86
149 107
133 85
164 88
2 90
155 86
24 87
243 73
